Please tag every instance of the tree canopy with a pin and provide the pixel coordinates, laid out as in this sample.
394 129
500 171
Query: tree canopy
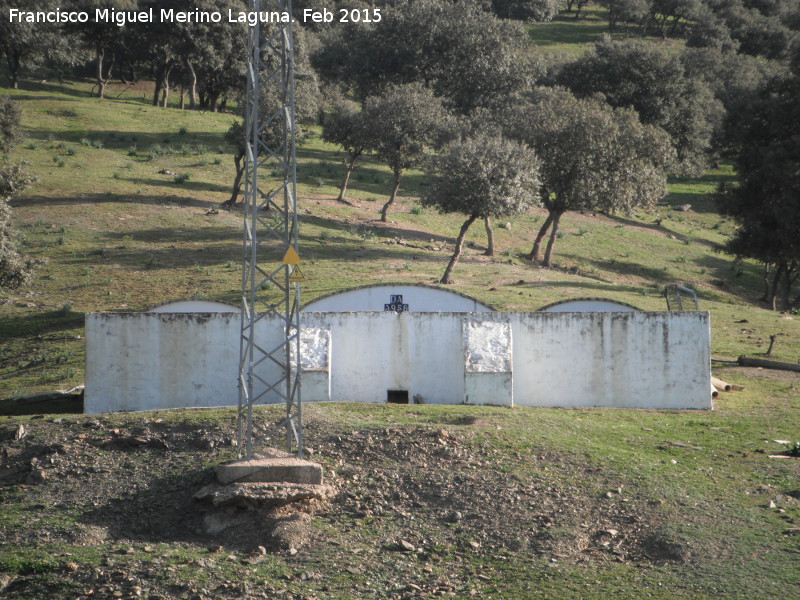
307 102
346 127
527 10
766 202
481 177
103 39
466 56
403 123
25 45
642 77
15 270
768 29
592 156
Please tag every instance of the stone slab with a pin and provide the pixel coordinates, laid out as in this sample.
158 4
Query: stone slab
270 470
264 494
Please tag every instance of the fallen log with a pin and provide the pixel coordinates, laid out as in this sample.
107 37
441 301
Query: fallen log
721 385
57 400
746 361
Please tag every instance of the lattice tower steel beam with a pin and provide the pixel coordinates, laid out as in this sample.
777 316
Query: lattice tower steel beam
270 372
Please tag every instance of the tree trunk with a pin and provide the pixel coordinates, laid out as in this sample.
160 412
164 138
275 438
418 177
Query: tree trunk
385 209
548 253
348 170
213 97
182 102
192 85
237 181
448 272
642 27
772 299
537 245
795 303
612 21
131 77
165 87
747 361
489 237
663 27
789 278
157 91
765 297
13 63
162 85
674 25
101 84
795 277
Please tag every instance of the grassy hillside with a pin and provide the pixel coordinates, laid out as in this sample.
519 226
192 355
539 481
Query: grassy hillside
119 214
496 503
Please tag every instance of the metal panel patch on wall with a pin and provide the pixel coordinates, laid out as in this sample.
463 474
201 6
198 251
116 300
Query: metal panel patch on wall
488 377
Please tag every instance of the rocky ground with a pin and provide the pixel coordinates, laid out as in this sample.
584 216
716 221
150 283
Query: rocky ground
103 508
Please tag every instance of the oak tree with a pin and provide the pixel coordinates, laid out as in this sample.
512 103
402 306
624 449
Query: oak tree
766 202
592 157
468 57
103 39
307 101
345 127
404 123
655 84
482 177
15 270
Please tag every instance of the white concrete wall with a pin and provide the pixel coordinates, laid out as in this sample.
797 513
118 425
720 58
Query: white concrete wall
144 361
634 359
631 359
378 351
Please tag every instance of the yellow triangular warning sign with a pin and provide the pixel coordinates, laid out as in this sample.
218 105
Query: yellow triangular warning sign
296 276
291 257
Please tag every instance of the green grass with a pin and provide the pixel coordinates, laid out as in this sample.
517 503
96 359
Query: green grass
704 496
569 37
702 479
119 235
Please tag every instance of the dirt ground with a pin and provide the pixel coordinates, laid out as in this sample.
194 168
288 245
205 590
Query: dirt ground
127 490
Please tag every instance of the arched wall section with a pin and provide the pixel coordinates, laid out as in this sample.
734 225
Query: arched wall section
396 297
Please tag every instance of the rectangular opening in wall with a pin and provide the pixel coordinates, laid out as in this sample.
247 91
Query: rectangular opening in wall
397 396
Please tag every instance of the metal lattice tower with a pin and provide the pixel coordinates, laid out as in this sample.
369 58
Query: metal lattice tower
270 233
